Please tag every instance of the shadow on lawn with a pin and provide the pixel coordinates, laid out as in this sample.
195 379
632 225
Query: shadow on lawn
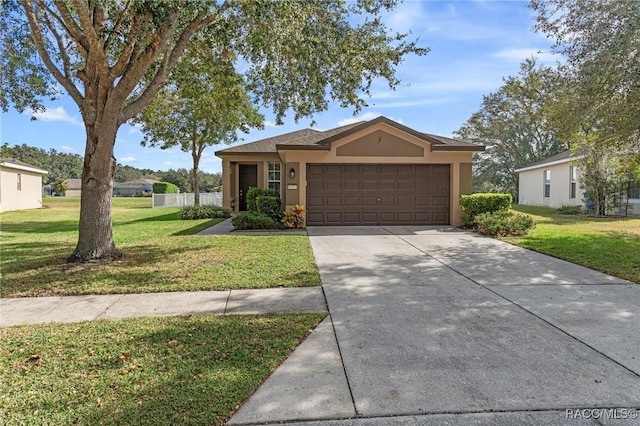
42 270
40 227
614 253
209 366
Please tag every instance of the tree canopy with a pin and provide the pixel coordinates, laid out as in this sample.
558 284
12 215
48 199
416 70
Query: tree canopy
514 124
205 103
113 57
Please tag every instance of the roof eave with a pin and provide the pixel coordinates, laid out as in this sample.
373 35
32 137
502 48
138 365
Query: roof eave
303 147
477 148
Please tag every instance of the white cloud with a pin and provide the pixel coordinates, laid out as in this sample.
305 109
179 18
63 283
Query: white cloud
268 123
56 114
135 128
412 103
406 15
365 117
129 158
168 163
520 54
69 149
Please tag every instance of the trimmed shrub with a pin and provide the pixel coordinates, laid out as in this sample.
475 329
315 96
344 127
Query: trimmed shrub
503 223
254 193
164 188
475 204
204 212
269 205
295 218
251 220
569 209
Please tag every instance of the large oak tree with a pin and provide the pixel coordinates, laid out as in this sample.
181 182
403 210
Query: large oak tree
113 56
515 123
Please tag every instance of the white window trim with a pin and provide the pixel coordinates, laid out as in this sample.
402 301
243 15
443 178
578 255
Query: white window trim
279 181
546 182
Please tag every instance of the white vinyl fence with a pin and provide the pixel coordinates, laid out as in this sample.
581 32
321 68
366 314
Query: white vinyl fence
184 199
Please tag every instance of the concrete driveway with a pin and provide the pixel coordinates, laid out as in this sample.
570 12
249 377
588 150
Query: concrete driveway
434 322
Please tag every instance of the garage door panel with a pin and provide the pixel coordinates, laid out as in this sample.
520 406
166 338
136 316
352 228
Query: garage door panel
368 201
369 185
371 194
387 185
405 201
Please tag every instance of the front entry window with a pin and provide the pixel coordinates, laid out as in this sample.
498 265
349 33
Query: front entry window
274 179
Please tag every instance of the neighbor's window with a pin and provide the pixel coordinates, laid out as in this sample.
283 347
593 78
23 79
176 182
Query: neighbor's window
547 183
274 176
634 191
19 182
573 178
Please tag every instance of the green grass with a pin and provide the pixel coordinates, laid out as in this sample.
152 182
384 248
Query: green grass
161 254
610 245
146 371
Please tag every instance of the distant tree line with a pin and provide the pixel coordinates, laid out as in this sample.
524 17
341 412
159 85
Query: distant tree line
62 166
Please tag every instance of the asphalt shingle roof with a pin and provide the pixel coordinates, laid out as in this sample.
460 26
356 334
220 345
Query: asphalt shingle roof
310 139
562 156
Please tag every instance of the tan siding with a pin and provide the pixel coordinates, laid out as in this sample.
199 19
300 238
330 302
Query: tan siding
28 197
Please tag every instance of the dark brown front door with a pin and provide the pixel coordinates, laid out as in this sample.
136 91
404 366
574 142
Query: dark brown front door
248 177
378 194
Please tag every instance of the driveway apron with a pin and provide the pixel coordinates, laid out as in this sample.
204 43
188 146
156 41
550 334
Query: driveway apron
438 321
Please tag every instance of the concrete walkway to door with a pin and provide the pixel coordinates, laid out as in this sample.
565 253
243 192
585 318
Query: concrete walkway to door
437 325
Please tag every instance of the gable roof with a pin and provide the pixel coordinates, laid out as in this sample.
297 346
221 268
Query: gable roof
310 139
563 157
12 163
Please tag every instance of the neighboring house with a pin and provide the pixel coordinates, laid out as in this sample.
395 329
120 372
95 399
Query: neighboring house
74 188
20 185
133 188
555 182
377 172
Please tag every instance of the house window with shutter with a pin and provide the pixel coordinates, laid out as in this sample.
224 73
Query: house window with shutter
19 182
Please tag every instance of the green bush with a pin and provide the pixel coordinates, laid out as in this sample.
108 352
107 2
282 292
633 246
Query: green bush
251 220
254 193
475 204
164 188
503 223
569 209
269 205
204 212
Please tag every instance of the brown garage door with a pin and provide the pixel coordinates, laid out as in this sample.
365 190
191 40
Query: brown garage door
378 194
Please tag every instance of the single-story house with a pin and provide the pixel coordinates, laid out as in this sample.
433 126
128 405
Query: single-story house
555 182
74 187
133 188
20 185
377 172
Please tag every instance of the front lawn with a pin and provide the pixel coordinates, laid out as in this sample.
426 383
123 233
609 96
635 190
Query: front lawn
610 245
161 254
146 371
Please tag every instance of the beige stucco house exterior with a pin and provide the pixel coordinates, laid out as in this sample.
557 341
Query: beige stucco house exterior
74 187
377 172
20 185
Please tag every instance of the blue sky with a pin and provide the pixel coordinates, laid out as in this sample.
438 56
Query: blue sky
474 45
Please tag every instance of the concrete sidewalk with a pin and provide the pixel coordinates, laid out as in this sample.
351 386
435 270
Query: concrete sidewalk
34 310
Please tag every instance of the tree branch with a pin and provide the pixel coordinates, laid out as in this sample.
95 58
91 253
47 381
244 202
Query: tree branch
38 41
69 24
61 47
169 61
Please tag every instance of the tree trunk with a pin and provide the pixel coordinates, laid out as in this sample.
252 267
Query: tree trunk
95 237
196 182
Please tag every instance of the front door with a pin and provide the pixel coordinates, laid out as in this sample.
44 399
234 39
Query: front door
248 177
